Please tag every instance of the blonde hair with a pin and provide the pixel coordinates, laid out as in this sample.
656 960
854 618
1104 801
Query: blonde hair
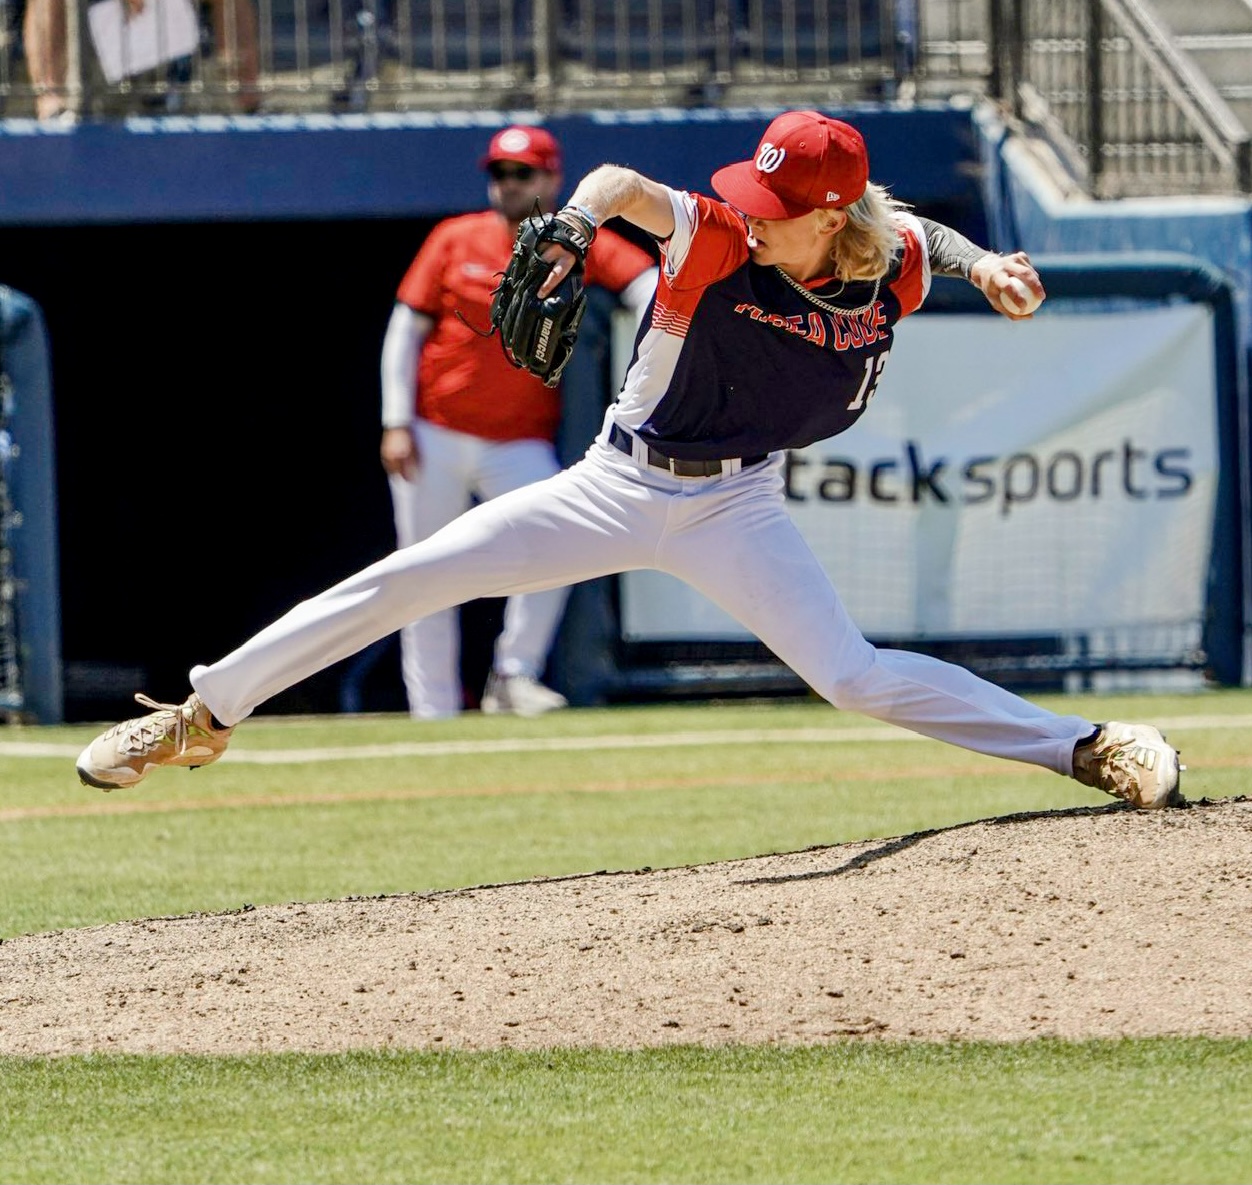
868 244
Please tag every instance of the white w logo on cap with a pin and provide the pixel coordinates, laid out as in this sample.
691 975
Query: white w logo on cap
768 158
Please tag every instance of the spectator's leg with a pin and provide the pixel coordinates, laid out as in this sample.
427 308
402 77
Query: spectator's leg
235 46
43 35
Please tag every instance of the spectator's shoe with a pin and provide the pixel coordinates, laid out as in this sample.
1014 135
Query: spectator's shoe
519 695
1131 761
174 734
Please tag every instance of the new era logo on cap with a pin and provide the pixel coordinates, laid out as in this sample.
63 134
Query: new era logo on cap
805 161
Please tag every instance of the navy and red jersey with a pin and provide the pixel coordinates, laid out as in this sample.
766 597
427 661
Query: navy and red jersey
731 360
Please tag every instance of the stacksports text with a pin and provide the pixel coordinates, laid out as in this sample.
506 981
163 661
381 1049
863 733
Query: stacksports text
912 478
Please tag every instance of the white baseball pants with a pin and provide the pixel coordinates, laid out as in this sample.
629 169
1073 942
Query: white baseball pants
453 467
730 537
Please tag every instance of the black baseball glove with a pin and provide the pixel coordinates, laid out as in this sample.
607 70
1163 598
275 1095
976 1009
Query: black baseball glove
539 335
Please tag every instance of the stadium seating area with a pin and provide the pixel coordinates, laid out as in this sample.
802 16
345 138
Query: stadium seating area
552 54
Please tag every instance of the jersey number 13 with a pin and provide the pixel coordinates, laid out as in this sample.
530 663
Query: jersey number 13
869 383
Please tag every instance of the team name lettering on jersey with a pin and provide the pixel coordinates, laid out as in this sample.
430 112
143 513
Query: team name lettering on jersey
844 331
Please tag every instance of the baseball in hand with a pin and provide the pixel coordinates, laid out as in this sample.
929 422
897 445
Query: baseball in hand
1018 298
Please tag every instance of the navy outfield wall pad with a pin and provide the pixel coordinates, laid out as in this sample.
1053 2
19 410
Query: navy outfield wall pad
208 168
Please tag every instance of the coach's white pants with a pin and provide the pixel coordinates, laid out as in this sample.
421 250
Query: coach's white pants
455 467
729 537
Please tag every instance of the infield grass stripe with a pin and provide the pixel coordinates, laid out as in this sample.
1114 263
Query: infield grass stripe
111 805
514 745
873 734
108 805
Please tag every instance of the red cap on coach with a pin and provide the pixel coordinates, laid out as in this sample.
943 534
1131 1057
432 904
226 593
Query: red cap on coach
805 161
536 147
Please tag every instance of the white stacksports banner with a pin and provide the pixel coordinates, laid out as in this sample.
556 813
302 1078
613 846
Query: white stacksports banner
1055 476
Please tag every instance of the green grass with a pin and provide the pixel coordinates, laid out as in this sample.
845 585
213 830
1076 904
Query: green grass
1178 1110
1042 1112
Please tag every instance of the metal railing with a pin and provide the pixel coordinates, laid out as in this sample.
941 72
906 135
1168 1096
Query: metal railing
952 51
402 55
1124 108
1127 111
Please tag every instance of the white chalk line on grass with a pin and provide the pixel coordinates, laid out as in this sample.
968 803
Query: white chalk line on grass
675 740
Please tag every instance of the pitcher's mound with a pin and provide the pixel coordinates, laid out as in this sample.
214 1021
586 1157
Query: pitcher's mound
1093 922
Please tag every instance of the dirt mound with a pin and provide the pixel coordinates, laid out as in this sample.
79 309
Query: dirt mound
1081 923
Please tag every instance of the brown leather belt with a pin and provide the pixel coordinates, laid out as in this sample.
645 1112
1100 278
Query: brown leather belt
622 440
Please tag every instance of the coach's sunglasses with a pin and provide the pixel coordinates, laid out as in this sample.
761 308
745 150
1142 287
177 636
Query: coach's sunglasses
502 171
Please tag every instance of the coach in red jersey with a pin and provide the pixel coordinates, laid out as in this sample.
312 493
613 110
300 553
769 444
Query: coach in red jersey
770 329
460 422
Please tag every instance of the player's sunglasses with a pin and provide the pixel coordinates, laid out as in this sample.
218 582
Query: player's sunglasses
505 172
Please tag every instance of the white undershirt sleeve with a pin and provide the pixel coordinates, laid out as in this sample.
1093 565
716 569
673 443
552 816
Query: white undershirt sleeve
638 292
676 246
402 344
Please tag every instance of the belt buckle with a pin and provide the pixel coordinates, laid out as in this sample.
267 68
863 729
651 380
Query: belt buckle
697 468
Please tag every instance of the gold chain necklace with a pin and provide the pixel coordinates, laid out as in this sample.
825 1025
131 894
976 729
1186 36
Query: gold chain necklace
825 304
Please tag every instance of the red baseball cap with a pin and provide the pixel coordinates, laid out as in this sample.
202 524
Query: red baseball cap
805 161
536 147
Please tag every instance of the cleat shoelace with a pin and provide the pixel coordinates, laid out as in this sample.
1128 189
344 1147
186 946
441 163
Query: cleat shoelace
1116 773
146 732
